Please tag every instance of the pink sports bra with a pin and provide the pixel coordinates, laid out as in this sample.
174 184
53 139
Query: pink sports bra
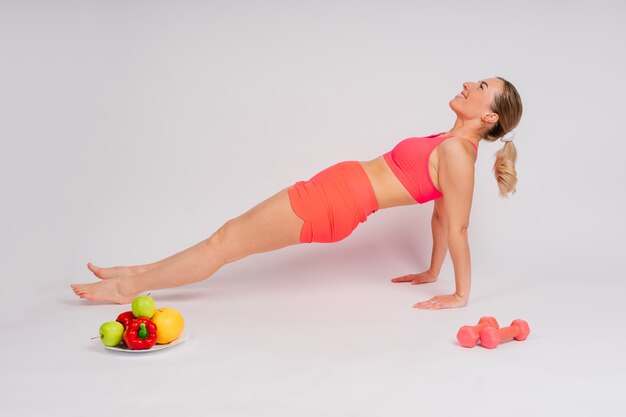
409 162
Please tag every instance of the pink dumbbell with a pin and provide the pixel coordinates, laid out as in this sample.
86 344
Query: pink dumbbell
490 337
468 335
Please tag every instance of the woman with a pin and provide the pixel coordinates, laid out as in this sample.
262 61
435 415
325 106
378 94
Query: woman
330 205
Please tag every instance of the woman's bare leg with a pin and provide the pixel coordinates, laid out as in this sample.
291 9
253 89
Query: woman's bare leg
122 271
268 226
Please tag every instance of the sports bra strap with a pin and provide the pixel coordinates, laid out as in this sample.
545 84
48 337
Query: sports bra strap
473 144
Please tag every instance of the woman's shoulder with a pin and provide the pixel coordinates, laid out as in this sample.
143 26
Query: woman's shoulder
458 147
456 152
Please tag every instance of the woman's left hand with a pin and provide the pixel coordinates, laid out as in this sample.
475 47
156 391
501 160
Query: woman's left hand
442 301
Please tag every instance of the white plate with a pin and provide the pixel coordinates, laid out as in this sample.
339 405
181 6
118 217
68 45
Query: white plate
122 348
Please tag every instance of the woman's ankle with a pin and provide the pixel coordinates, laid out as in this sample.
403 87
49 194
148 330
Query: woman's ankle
129 286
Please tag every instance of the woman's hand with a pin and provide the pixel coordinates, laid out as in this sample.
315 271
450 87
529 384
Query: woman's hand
421 278
442 301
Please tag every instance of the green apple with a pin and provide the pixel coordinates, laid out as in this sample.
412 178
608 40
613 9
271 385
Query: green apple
111 333
144 306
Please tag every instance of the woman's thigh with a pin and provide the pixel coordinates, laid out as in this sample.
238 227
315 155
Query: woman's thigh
270 225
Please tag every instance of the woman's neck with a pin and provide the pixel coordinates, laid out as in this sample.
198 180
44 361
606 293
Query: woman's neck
466 130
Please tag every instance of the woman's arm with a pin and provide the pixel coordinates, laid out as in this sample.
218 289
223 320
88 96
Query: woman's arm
456 178
439 226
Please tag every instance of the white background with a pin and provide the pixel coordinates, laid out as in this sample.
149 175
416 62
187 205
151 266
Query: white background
133 129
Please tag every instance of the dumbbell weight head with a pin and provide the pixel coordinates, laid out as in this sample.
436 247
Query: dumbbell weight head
468 335
490 337
523 330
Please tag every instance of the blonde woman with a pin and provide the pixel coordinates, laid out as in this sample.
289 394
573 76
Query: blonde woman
329 206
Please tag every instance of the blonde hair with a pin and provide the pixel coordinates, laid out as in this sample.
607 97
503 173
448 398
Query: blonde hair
508 106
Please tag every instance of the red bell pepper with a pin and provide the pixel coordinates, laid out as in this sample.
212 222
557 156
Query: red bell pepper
140 334
125 318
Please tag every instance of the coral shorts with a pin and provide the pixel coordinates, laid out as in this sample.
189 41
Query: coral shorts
333 202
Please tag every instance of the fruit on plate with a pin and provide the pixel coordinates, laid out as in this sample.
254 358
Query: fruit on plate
125 318
143 306
140 334
111 333
170 324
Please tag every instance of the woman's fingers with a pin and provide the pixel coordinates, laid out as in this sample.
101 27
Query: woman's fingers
441 301
421 278
428 304
405 278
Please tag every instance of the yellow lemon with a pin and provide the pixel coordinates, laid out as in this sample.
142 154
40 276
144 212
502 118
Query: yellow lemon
169 323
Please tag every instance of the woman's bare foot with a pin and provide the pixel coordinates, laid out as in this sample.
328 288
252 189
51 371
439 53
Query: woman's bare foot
114 272
109 290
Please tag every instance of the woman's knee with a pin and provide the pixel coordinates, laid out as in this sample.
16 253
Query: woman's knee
236 239
217 241
268 226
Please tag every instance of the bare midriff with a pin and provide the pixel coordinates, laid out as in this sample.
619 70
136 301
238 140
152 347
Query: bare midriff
387 187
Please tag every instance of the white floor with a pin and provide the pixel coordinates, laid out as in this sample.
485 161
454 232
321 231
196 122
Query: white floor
320 331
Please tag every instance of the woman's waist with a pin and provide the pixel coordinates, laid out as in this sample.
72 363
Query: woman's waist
389 191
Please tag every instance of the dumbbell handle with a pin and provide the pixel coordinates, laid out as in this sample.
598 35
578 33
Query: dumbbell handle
508 333
490 337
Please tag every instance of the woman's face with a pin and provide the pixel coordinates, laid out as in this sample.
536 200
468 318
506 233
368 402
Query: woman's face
474 101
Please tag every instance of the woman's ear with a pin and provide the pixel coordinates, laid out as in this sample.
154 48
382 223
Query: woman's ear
491 118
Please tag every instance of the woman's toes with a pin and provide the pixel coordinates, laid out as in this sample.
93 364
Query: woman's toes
108 290
79 290
97 271
113 272
94 269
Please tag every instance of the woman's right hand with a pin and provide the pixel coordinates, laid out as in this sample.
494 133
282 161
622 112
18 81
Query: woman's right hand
421 278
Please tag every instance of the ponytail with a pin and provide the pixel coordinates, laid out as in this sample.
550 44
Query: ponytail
508 106
504 169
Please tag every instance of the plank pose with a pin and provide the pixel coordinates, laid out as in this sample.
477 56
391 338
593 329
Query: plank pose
329 206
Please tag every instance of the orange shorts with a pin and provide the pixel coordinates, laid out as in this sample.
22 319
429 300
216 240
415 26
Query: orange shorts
333 202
